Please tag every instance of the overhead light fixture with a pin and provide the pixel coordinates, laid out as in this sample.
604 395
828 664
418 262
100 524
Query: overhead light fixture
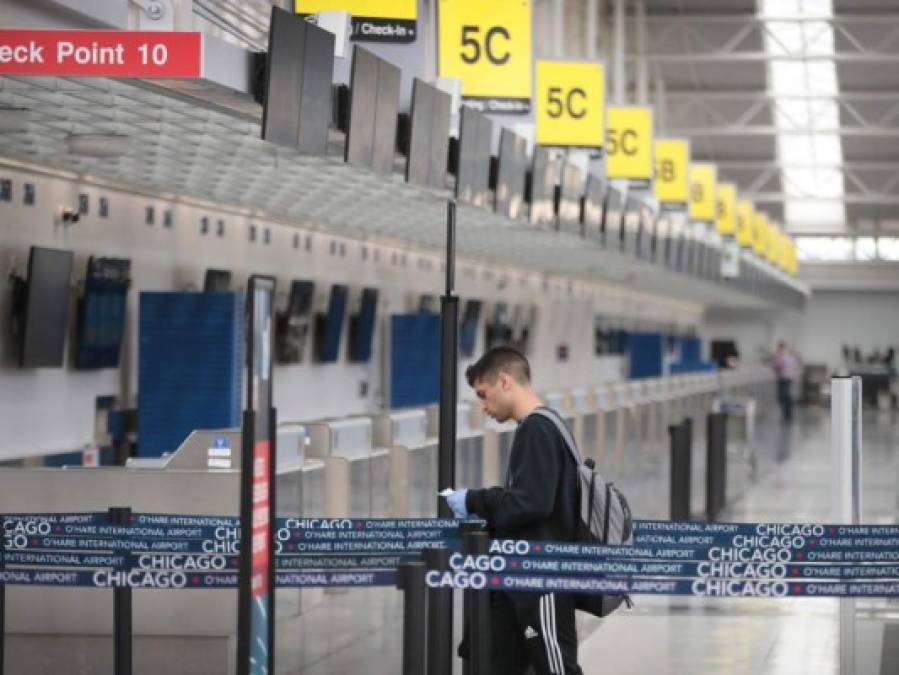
14 120
98 145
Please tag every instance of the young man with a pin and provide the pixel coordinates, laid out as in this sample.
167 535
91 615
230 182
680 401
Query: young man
538 501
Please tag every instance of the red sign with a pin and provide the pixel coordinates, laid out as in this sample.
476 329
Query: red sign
262 532
100 53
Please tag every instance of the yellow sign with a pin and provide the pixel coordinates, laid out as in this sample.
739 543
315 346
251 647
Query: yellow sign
726 209
703 181
487 45
760 233
745 223
369 9
373 20
771 242
629 145
672 158
569 105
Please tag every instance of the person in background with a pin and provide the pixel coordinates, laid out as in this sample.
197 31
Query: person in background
786 368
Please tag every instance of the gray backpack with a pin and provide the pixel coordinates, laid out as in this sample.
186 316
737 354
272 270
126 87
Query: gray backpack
605 517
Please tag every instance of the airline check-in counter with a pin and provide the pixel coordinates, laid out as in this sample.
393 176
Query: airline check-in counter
174 633
357 475
413 462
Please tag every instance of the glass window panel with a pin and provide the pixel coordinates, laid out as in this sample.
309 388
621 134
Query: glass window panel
865 248
827 148
795 148
823 8
821 77
824 248
792 114
823 114
817 38
780 7
888 248
783 37
800 182
787 77
826 214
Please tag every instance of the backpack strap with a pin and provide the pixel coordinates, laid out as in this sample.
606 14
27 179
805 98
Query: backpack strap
562 428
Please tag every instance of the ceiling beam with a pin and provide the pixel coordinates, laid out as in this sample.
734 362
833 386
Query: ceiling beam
743 18
730 57
768 130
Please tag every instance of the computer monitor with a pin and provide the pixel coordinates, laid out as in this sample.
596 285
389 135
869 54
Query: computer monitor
292 325
542 184
428 136
468 328
102 313
296 105
42 313
329 325
473 163
362 326
217 281
508 197
374 106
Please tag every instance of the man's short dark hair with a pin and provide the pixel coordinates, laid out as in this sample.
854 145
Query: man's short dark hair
496 360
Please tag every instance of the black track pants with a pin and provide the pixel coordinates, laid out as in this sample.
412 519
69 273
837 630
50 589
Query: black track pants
533 629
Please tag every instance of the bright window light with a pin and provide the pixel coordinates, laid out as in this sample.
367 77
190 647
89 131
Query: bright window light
866 248
806 113
888 248
824 249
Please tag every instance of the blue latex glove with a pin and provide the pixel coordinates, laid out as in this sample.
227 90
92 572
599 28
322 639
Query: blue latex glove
456 501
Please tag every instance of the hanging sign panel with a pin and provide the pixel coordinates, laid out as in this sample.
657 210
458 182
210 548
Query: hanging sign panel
703 181
672 160
759 233
101 53
629 145
487 45
745 223
570 104
726 207
373 20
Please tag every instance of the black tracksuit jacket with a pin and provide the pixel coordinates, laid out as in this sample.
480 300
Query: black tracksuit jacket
539 498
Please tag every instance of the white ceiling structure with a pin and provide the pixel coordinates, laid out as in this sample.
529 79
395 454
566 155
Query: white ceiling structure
797 101
175 146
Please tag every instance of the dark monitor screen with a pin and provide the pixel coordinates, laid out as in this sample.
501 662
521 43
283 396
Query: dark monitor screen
613 216
428 303
498 328
296 109
101 313
543 187
473 166
511 172
46 308
571 192
217 281
593 204
362 326
723 351
468 327
292 325
330 325
428 136
374 107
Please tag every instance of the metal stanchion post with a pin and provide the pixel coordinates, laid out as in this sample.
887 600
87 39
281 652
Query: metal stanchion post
121 608
475 541
440 605
681 467
716 464
411 580
846 455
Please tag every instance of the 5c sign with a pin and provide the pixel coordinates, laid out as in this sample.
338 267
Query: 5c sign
570 104
487 45
630 143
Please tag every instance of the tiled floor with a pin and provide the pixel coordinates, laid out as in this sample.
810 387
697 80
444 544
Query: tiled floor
788 480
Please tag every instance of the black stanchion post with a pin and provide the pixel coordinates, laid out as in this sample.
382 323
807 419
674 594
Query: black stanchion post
410 579
716 464
442 609
681 450
440 605
121 608
475 541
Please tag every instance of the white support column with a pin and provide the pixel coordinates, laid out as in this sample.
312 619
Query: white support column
642 79
558 28
660 112
590 29
846 455
619 83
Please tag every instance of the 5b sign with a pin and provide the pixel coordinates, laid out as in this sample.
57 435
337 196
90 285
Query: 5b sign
570 104
672 157
703 192
629 144
487 45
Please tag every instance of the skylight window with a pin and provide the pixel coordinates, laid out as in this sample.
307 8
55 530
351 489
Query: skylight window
803 82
